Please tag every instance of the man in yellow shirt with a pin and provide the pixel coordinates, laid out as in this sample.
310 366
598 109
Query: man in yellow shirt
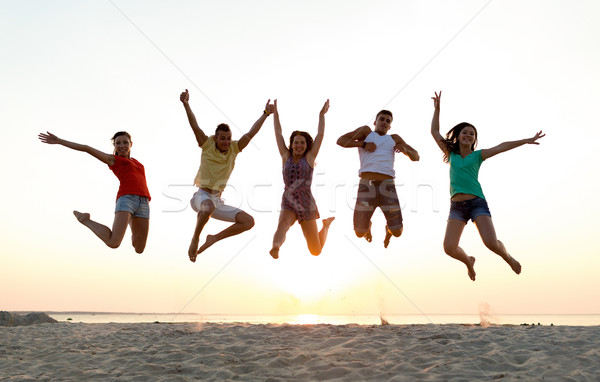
216 164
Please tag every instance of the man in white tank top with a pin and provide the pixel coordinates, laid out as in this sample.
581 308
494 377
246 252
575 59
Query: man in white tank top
376 188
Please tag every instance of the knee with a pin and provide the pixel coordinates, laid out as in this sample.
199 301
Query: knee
246 220
359 233
492 245
113 244
139 248
449 248
397 232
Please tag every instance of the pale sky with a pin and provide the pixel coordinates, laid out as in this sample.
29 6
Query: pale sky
84 70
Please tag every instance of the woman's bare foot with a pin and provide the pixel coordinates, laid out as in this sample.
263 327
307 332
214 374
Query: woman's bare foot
82 217
193 250
327 222
470 268
514 264
274 252
210 240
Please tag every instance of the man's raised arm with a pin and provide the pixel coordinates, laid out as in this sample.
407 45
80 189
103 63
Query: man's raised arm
200 136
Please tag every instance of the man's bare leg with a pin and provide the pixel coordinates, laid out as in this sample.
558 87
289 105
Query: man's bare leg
389 233
207 208
243 222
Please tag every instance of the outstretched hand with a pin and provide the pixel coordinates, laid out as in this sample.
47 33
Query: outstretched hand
270 108
436 100
325 108
49 138
185 96
533 140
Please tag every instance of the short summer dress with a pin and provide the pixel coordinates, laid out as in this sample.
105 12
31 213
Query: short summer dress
297 196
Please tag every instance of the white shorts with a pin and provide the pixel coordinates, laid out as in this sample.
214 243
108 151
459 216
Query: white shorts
222 211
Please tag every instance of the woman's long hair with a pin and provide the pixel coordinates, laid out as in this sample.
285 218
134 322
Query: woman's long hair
309 141
451 140
117 134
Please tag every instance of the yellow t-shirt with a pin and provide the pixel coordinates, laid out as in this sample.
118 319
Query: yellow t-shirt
215 166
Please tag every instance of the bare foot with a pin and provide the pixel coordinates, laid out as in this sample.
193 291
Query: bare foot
193 250
470 268
210 240
327 222
274 253
514 264
81 217
368 236
388 236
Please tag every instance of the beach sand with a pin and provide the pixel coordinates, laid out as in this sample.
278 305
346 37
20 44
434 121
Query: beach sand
273 352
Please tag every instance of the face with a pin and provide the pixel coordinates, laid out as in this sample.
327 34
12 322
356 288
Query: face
383 123
299 145
467 136
122 145
223 140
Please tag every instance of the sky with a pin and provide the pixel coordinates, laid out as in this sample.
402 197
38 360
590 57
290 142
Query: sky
84 70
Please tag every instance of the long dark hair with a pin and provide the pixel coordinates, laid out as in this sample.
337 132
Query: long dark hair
451 140
309 141
118 134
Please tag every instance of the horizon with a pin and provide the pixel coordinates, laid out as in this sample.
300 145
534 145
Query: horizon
83 71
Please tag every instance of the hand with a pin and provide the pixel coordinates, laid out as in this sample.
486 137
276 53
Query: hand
399 148
49 138
185 96
270 108
370 147
436 100
533 140
275 107
325 108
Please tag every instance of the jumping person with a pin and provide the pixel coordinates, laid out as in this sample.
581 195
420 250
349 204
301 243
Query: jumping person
466 195
376 187
297 202
216 164
132 198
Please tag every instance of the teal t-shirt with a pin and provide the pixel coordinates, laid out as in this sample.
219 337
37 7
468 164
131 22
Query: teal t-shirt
464 173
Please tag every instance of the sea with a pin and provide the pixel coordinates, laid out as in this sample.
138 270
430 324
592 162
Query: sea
334 319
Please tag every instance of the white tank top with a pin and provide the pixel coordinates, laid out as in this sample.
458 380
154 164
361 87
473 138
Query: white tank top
382 159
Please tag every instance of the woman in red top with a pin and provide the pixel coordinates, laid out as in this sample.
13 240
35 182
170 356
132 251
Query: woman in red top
132 199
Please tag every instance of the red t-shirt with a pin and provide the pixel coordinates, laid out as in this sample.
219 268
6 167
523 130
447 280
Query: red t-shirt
132 176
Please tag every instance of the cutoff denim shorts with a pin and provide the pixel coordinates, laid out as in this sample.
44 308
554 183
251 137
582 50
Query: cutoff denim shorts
469 209
134 204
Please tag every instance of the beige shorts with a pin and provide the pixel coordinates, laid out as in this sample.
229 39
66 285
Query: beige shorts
222 211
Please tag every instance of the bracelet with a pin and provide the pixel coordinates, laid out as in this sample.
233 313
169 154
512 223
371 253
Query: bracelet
364 144
265 112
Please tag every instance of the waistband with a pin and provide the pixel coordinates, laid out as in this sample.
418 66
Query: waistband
211 191
375 183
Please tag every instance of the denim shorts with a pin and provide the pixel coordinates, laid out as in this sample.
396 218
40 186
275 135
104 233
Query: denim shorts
134 204
469 209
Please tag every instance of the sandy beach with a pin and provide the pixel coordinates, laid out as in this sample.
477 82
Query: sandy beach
273 352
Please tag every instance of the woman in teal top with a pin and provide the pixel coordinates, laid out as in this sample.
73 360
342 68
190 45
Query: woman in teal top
467 199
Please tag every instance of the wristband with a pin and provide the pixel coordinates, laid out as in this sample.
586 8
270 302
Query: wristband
364 144
265 112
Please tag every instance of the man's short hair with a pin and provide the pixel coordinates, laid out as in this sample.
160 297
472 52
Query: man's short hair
386 112
222 127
